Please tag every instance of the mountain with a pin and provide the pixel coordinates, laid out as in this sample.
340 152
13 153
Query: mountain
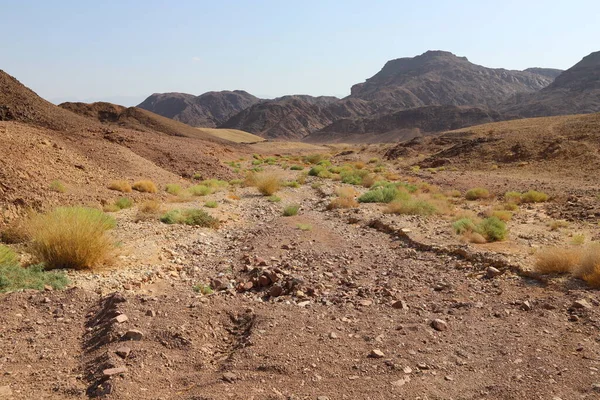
441 78
551 73
207 110
575 91
294 117
402 125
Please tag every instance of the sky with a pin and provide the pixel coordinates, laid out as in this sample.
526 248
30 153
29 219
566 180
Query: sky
123 51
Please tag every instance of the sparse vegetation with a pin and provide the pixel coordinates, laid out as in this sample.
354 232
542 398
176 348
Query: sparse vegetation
557 224
477 194
124 202
14 277
513 197
57 186
71 237
411 207
202 289
267 184
493 229
7 256
296 168
304 227
211 204
200 190
193 217
291 210
145 186
274 199
557 260
578 239
385 194
120 186
534 197
174 189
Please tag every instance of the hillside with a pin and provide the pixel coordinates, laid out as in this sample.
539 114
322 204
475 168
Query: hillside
402 125
575 91
207 110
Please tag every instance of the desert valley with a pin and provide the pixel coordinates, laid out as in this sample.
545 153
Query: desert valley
433 235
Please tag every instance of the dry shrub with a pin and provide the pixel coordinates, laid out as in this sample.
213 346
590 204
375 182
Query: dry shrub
477 194
14 234
359 165
150 207
267 184
145 186
346 191
557 260
474 237
120 186
391 176
233 196
502 215
368 180
589 265
342 202
71 237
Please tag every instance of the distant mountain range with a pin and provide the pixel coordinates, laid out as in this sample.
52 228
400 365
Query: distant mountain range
434 91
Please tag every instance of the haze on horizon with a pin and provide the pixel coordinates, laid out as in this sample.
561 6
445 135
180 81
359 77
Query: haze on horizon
123 52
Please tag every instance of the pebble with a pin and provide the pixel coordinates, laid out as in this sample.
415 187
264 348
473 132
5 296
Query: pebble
151 313
133 334
439 325
526 306
123 351
333 335
580 304
376 353
400 305
322 398
121 318
492 272
401 382
229 377
114 371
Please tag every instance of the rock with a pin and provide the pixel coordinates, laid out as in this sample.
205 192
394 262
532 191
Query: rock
400 305
322 398
448 378
229 377
304 303
439 325
121 318
276 291
133 334
123 351
580 304
492 272
248 285
596 387
365 303
107 373
407 370
526 306
48 288
264 280
376 353
333 335
401 382
151 313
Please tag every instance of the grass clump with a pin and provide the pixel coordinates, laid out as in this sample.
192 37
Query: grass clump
493 229
145 186
120 186
7 256
174 189
71 237
296 168
342 202
192 217
202 289
589 265
533 196
502 215
274 199
557 260
292 184
412 207
383 195
57 186
267 184
513 197
149 209
578 239
320 171
314 158
211 204
477 194
14 234
124 202
199 190
14 277
291 210
464 225
304 227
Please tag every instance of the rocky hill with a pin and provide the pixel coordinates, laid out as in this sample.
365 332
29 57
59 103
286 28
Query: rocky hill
207 110
441 78
294 117
402 125
575 91
551 73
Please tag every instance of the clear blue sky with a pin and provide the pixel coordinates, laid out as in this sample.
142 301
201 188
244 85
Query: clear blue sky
101 50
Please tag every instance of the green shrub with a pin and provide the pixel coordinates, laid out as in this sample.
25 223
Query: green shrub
123 203
71 237
236 182
7 256
493 229
532 196
383 195
316 170
173 188
513 197
354 177
292 184
14 277
57 186
194 217
296 168
464 225
477 193
313 158
291 210
200 190
202 289
412 207
274 199
211 204
215 183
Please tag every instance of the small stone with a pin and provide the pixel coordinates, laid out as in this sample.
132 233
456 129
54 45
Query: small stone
353 377
264 280
573 318
276 291
448 378
114 371
322 398
407 370
333 335
492 272
127 286
526 306
48 288
151 313
121 318
304 303
300 293
248 285
439 325
580 304
401 382
596 387
365 303
229 377
400 305
46 300
133 334
376 353
123 351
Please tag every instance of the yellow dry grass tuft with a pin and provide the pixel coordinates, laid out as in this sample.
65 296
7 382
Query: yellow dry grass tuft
267 183
120 186
557 260
589 265
145 186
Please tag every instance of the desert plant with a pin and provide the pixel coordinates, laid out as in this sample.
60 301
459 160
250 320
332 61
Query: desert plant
342 202
14 277
57 186
304 227
292 184
557 260
383 195
578 239
193 217
493 229
513 197
7 256
477 194
124 202
589 265
145 186
557 224
502 215
314 158
202 289
274 199
16 233
464 225
173 188
120 186
199 190
268 184
296 168
291 210
150 207
411 207
211 204
533 196
71 237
